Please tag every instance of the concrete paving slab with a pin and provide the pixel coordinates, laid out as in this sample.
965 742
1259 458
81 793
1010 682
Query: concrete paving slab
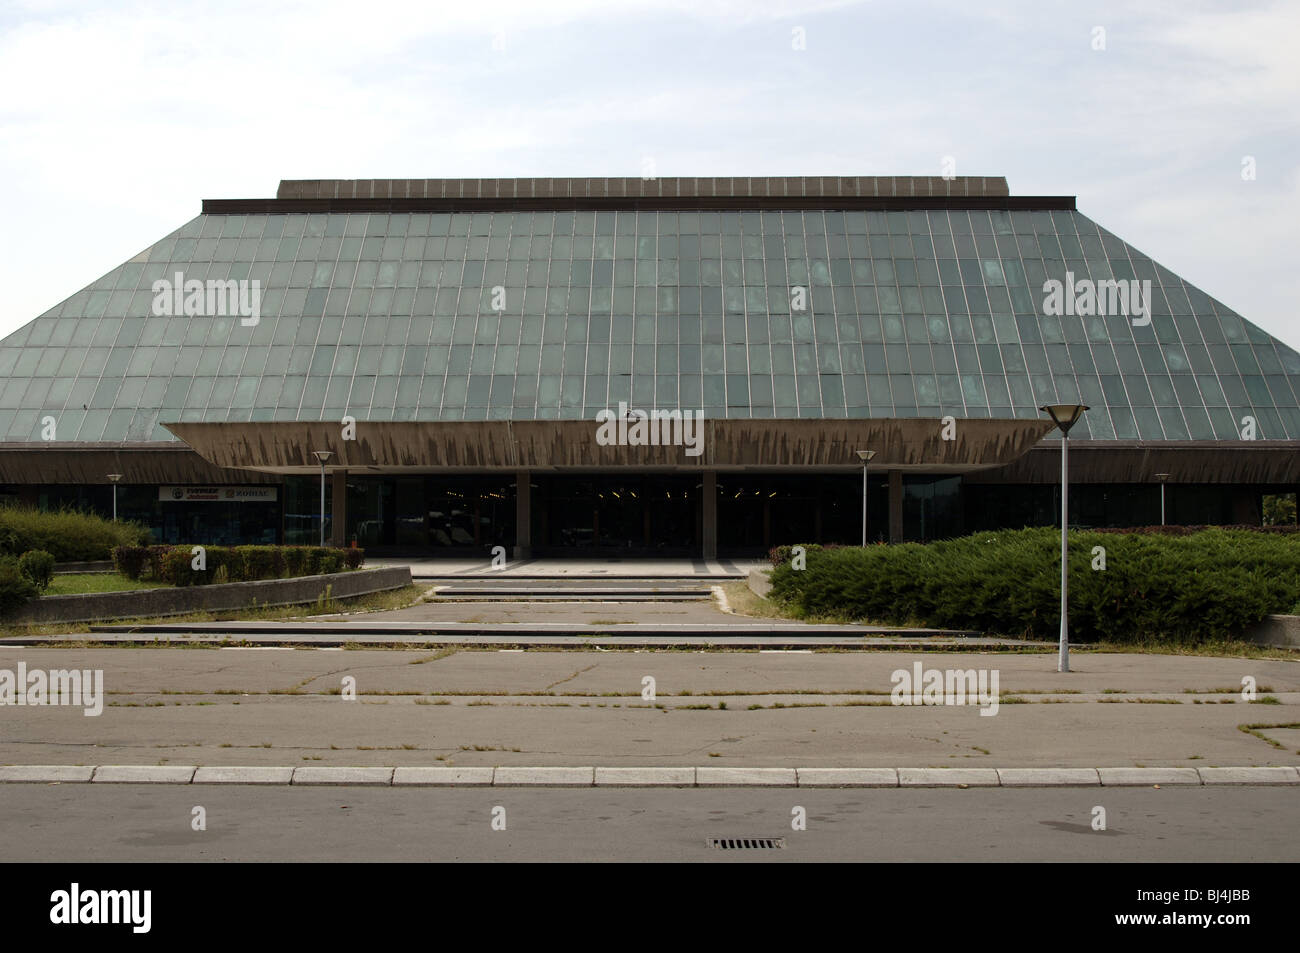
1048 777
144 773
46 773
554 777
947 777
1261 775
848 777
645 777
1117 777
441 775
732 777
324 775
240 774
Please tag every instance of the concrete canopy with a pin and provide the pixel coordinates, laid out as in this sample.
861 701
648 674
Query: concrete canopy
425 446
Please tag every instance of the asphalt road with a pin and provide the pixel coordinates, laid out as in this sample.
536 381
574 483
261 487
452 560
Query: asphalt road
87 823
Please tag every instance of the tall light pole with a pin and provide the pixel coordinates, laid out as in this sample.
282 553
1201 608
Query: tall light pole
865 456
1162 477
1064 416
113 478
322 456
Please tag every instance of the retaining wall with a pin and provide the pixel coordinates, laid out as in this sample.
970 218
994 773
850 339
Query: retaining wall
142 603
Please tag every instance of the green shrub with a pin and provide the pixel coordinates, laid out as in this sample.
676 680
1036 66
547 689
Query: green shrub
131 561
16 590
155 561
174 564
296 560
67 535
1196 586
38 566
176 567
263 562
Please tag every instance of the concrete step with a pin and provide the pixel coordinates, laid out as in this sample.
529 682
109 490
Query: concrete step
564 593
576 589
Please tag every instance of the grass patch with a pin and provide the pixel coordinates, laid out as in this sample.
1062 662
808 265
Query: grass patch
72 584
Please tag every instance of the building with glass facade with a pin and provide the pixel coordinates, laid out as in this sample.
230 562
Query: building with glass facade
453 344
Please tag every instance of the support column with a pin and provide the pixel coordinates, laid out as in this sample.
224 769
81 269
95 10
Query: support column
895 506
523 515
339 507
710 510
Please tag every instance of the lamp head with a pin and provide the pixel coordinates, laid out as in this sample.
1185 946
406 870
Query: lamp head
1064 416
865 455
322 455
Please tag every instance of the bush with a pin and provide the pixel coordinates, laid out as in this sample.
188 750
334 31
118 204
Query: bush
295 560
1207 584
174 564
16 590
263 562
38 566
67 535
131 561
176 568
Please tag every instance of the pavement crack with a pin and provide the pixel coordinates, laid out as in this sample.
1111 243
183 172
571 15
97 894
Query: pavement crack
570 677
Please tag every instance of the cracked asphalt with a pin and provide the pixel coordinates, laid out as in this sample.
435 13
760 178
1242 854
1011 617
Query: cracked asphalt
489 707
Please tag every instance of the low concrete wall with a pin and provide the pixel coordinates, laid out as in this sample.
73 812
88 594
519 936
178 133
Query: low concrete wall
101 565
760 582
142 603
1278 630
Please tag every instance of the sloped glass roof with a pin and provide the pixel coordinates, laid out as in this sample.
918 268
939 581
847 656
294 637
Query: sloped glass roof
559 314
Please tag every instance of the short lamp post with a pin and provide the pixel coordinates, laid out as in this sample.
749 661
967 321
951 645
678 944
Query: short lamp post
1064 416
865 456
322 456
113 478
1163 478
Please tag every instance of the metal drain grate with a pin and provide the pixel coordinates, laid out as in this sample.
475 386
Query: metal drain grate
747 843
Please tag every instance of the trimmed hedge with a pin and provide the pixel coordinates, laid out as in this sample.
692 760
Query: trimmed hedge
1207 584
67 535
174 565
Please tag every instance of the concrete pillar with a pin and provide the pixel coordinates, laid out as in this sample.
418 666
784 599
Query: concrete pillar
523 515
339 507
895 506
710 510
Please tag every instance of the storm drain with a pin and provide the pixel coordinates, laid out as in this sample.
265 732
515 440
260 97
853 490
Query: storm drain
747 843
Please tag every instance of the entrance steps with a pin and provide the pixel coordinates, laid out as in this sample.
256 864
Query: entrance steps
544 589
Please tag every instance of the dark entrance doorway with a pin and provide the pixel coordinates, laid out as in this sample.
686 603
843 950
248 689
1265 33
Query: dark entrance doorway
633 515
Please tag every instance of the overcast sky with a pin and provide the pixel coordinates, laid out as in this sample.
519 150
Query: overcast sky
116 119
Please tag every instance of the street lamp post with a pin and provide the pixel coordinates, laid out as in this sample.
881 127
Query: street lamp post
322 456
865 456
1163 478
1064 416
113 478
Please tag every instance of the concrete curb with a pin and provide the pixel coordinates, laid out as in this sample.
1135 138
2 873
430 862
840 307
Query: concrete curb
547 777
440 776
240 775
343 775
144 774
680 777
1119 777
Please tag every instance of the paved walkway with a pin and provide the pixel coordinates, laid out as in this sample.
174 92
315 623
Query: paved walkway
486 708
